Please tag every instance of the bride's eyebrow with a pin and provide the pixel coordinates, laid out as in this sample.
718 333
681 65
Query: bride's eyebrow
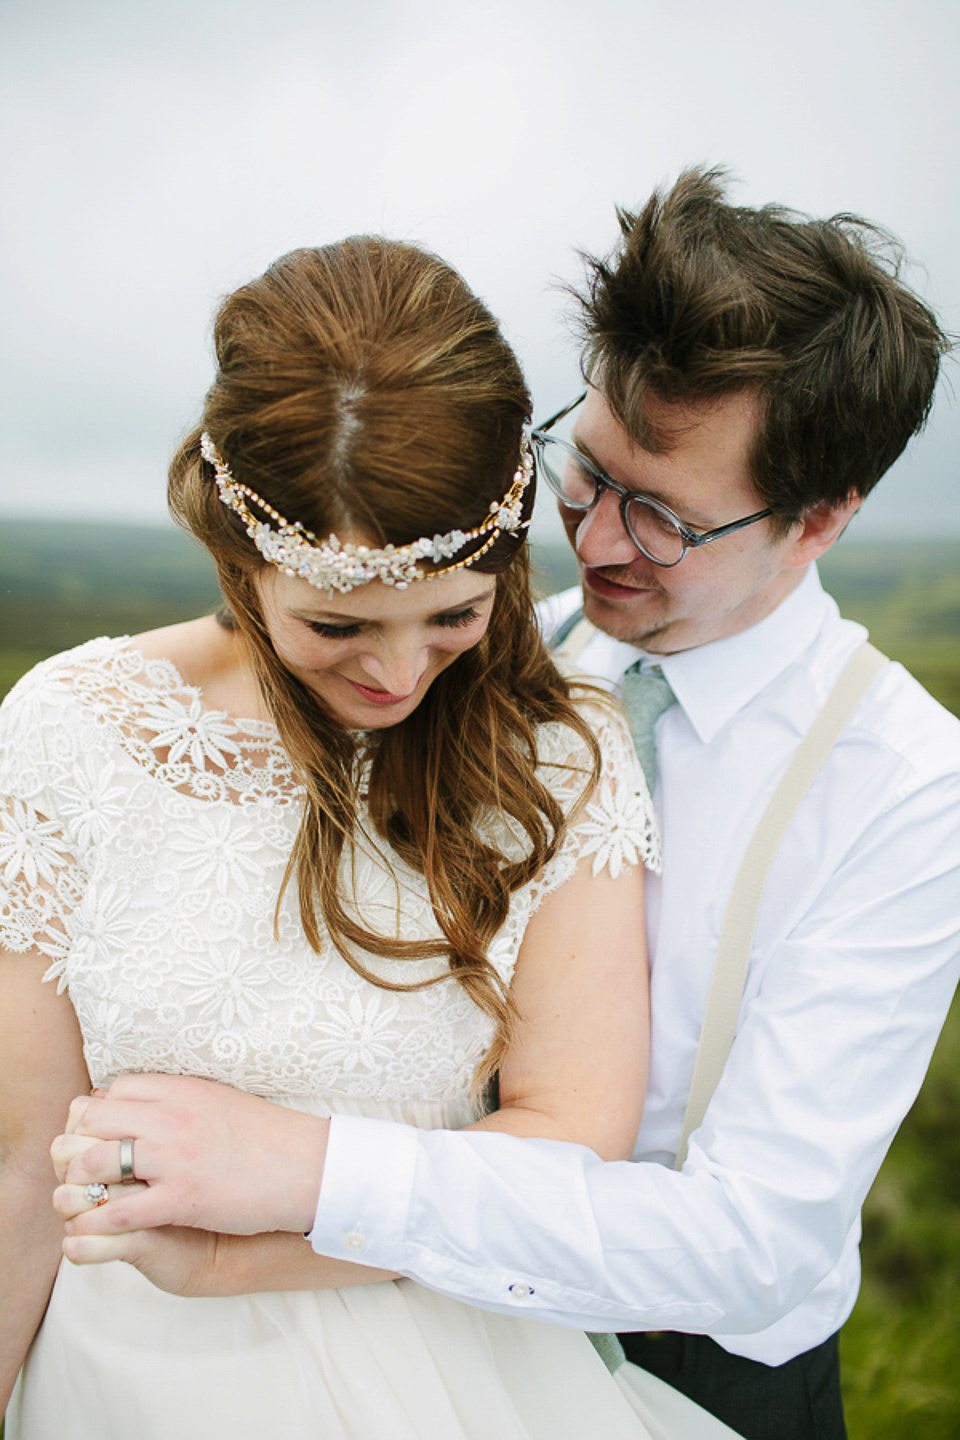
465 604
341 617
335 617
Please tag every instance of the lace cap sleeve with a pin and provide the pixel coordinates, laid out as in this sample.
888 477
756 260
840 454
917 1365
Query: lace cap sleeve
615 823
39 879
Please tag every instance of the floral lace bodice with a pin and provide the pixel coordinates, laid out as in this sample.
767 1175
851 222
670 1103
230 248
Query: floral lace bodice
143 841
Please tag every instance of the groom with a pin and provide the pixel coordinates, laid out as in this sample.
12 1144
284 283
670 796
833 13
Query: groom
752 375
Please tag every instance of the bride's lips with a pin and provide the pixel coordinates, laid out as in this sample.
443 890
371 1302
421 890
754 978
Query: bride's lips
376 697
610 589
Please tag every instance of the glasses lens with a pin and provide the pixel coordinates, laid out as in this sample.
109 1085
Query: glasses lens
567 476
654 532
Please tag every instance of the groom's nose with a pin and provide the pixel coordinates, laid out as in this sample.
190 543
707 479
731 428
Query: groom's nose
598 536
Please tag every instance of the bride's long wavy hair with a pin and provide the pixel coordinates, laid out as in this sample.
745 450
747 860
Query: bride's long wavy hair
362 386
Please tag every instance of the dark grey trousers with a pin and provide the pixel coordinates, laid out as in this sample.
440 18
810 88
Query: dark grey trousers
799 1400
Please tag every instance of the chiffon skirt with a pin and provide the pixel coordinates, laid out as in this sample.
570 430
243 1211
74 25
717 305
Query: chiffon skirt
117 1358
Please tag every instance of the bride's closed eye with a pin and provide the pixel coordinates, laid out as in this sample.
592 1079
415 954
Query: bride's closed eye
448 621
457 617
333 632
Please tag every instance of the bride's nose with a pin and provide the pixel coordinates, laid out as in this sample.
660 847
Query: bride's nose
397 666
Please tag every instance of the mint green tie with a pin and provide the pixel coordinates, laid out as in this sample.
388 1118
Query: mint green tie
645 694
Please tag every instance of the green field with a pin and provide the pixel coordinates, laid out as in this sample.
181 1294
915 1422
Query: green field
61 584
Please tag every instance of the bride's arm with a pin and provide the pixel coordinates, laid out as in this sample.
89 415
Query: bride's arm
577 1066
192 1263
41 1066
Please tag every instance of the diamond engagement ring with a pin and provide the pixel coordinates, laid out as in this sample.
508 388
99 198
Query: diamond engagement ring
97 1194
126 1162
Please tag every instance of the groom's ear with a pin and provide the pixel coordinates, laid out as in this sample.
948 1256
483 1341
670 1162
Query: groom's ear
818 528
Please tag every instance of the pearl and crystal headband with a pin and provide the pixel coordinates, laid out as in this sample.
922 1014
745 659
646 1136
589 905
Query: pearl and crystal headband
330 565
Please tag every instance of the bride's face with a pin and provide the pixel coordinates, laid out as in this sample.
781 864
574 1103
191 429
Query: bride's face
371 655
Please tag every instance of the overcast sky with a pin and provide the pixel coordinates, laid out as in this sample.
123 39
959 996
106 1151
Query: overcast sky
156 153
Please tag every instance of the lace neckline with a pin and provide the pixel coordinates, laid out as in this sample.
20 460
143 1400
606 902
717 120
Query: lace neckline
163 674
164 725
246 724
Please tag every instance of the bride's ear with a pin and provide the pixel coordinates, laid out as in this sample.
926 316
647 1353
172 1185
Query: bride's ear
818 528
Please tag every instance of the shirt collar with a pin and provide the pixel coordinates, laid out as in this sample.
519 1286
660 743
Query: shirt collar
712 682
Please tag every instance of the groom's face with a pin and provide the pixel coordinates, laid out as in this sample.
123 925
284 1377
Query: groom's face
703 475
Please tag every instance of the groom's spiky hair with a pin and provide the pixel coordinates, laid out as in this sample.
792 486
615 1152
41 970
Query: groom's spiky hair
701 299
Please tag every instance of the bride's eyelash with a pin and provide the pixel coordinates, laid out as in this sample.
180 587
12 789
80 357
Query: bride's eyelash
333 632
458 617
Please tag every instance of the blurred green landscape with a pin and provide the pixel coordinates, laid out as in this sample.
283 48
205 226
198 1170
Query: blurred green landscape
62 583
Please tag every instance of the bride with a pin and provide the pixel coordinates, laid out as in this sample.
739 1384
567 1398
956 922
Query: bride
344 847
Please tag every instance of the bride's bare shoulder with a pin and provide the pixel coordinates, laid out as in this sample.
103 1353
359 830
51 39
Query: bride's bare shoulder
194 647
209 657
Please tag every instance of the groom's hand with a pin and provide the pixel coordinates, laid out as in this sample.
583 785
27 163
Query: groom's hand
211 1158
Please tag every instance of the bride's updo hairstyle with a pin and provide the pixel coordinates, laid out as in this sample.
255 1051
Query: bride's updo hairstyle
362 389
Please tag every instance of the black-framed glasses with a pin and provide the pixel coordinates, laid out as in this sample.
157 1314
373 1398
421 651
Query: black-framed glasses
656 531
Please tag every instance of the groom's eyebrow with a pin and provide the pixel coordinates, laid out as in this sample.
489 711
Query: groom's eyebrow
588 454
696 522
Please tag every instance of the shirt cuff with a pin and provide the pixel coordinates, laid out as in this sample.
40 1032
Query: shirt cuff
365 1192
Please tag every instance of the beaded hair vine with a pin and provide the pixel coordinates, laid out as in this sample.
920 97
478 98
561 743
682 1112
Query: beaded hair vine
332 565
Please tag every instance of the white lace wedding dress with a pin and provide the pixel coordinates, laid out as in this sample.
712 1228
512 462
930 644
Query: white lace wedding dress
143 840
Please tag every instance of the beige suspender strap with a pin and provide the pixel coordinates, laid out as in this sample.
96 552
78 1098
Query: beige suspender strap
736 937
569 649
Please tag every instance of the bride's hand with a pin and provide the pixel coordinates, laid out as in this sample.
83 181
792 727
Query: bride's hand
212 1158
178 1260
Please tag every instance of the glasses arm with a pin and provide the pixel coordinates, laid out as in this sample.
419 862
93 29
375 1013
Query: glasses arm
694 538
560 415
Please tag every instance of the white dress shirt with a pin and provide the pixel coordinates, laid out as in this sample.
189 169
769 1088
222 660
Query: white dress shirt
854 963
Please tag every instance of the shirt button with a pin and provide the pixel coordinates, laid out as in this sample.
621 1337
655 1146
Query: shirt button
356 1242
519 1291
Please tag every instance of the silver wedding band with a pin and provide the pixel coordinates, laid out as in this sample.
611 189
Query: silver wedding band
126 1162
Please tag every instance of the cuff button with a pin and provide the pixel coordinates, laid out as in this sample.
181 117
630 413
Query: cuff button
356 1242
519 1291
